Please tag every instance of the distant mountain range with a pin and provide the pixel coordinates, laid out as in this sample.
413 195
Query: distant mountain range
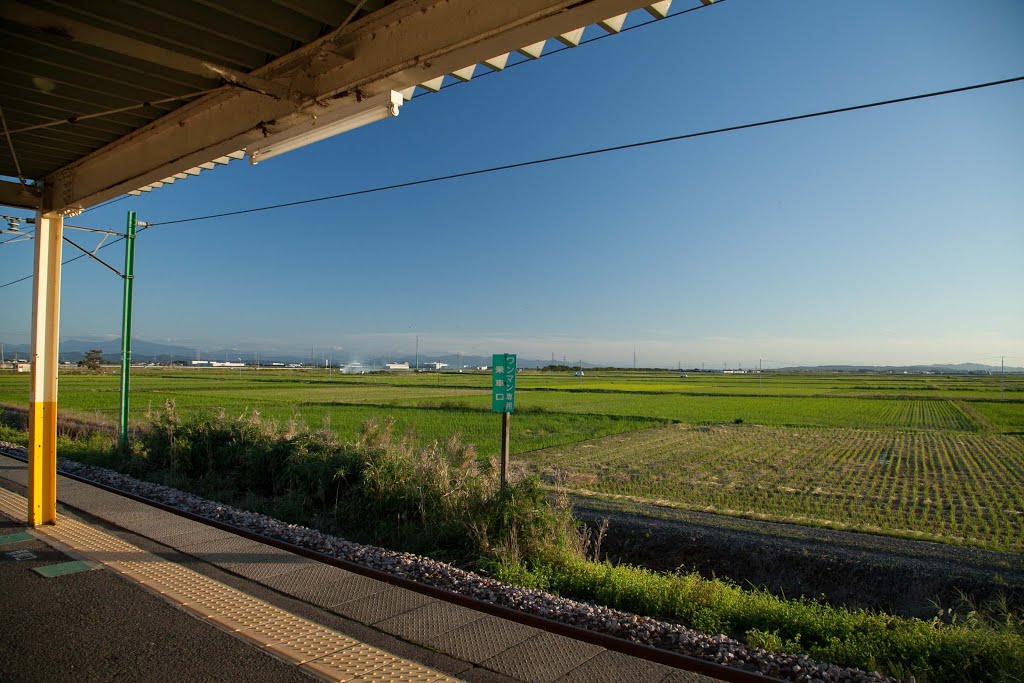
912 369
144 351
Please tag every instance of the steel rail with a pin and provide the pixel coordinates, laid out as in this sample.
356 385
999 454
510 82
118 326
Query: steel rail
607 641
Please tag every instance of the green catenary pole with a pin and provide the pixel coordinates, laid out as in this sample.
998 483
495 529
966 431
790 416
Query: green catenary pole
126 326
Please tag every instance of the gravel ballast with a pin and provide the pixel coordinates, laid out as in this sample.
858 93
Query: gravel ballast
646 630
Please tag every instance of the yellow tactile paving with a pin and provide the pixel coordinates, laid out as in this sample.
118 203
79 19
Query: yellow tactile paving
402 672
325 653
13 504
241 619
351 664
221 603
294 638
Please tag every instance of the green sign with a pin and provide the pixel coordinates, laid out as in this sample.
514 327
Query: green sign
503 382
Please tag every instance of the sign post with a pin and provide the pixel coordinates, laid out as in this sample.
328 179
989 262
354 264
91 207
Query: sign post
503 400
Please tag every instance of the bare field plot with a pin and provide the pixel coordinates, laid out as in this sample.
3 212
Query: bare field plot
954 487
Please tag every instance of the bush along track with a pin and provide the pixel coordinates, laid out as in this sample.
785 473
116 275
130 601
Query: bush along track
527 551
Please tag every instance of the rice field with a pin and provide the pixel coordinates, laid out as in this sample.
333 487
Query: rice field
932 456
949 486
999 416
795 411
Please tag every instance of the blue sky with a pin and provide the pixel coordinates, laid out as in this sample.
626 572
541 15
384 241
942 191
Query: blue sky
893 235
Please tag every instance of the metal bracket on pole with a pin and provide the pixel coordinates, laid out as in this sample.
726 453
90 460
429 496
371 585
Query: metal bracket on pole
92 255
126 327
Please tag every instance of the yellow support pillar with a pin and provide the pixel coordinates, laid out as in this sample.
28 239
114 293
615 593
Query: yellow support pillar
42 420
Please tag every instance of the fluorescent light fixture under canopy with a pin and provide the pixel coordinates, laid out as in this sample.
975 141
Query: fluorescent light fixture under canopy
325 125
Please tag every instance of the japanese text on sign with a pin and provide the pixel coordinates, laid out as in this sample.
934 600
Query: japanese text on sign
503 382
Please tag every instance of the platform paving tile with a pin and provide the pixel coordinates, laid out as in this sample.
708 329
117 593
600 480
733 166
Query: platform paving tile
380 606
431 620
15 472
480 675
480 640
543 658
155 524
249 558
681 676
97 502
65 484
224 550
266 565
323 585
613 667
134 513
259 561
195 537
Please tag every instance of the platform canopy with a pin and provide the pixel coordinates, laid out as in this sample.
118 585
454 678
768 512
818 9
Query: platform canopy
106 98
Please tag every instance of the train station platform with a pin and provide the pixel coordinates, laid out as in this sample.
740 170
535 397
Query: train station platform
120 589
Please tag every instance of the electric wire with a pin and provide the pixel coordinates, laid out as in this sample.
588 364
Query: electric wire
101 114
107 203
28 233
573 155
445 87
597 151
19 236
75 258
10 144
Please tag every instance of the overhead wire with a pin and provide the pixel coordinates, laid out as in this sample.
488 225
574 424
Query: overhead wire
10 145
108 112
107 203
80 256
573 155
599 150
18 236
534 162
564 157
515 64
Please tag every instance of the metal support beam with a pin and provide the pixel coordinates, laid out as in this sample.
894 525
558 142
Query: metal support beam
79 32
42 420
13 194
404 44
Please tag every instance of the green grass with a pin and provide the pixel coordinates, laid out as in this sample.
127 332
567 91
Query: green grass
917 463
344 405
769 410
901 647
1002 416
815 461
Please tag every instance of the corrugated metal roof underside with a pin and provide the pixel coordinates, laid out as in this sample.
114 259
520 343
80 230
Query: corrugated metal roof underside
45 76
